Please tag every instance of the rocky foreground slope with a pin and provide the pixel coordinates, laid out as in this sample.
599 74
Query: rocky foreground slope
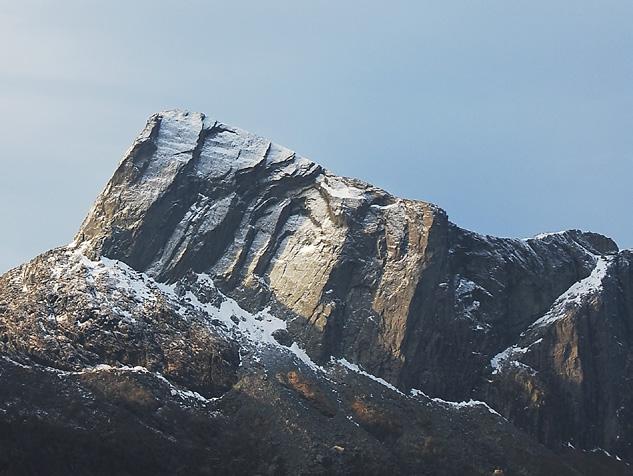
229 307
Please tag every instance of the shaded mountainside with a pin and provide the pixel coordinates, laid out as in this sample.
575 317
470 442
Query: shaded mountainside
229 306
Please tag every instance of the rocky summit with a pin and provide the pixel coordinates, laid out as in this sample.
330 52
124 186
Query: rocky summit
230 307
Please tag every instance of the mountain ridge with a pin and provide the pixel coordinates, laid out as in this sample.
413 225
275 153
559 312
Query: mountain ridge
206 120
320 275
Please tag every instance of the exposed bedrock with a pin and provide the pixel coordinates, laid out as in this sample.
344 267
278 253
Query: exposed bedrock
388 283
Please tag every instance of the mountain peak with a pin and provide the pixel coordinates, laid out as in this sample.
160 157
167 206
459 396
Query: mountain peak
222 280
186 178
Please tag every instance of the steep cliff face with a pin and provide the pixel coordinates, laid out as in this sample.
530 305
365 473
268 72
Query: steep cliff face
209 242
568 376
353 264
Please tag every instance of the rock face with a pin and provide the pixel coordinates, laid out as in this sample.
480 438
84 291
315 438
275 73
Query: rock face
223 288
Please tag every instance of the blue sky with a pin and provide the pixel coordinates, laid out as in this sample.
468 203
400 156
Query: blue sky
516 117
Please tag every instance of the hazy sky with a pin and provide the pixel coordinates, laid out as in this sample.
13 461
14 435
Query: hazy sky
515 116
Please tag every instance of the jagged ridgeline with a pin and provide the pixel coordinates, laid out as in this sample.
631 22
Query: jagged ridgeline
229 307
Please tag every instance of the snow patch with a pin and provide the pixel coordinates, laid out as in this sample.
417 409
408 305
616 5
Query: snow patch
336 187
414 392
469 404
542 236
508 355
358 370
577 293
255 329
